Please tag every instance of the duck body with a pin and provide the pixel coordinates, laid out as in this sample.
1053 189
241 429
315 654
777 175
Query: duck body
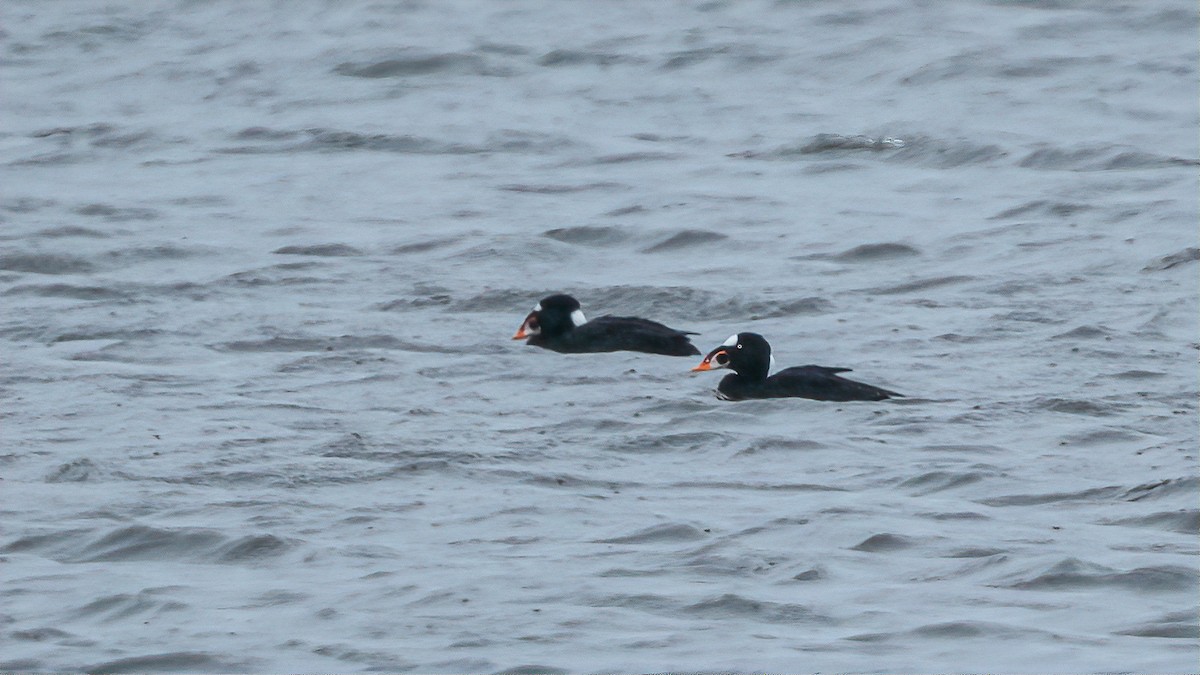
618 333
819 383
749 356
557 323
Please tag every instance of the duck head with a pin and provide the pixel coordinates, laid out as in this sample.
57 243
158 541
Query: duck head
747 354
554 315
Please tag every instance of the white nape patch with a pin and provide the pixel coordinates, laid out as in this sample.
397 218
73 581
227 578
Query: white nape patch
732 341
578 318
537 307
772 367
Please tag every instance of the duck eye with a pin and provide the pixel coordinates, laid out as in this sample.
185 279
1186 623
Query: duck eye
721 358
739 346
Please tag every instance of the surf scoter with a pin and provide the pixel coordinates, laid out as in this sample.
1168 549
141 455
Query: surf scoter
748 355
557 323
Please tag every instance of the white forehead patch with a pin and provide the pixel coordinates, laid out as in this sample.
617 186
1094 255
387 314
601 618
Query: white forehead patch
731 342
537 307
578 318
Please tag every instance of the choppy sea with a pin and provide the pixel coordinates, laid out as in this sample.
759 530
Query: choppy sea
260 263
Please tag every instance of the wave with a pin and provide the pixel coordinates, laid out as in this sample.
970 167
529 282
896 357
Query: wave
143 542
1072 573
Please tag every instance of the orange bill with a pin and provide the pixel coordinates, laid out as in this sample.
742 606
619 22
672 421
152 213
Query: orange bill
706 364
521 334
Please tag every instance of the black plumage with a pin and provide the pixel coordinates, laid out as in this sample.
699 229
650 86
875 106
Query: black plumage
748 355
557 323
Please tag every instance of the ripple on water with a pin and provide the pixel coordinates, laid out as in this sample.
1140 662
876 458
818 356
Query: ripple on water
45 263
1079 407
75 471
1072 573
875 252
132 334
1105 435
685 239
826 143
117 213
1187 255
954 515
709 561
927 151
628 157
329 344
1183 625
411 65
961 630
335 140
326 363
1169 487
975 552
755 310
563 188
258 443
657 442
252 547
1090 494
939 481
142 542
920 285
732 605
580 57
969 448
1043 207
1186 521
1138 375
826 146
669 532
756 486
533 669
1098 158
124 605
687 303
70 291
426 245
736 55
321 250
588 235
1084 332
646 301
164 662
41 634
884 542
972 629
69 144
779 444
811 574
66 231
32 205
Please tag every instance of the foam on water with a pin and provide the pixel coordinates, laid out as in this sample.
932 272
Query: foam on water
260 264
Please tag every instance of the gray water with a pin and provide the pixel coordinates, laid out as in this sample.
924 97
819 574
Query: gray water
260 263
